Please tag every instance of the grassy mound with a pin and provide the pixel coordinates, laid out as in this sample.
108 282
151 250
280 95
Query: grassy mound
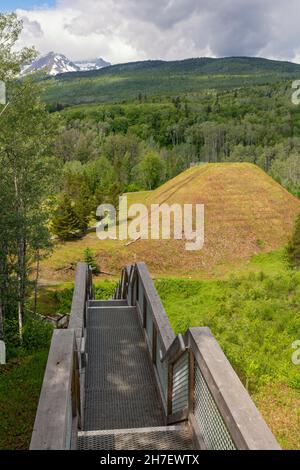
246 213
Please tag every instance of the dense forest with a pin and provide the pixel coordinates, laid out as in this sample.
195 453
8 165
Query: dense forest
105 150
122 83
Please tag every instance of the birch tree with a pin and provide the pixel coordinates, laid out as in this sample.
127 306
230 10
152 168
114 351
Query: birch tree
25 134
11 62
25 138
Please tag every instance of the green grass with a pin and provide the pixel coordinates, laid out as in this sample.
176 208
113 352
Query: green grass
20 384
256 318
57 299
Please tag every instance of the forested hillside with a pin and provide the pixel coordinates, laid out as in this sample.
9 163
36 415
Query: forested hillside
104 150
154 78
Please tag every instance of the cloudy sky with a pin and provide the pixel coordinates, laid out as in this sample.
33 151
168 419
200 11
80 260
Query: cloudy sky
128 30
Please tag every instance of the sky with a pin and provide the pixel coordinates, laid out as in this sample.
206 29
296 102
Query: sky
129 30
9 5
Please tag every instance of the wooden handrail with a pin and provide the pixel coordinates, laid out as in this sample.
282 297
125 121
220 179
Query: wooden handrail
60 409
175 351
58 406
80 296
245 424
161 320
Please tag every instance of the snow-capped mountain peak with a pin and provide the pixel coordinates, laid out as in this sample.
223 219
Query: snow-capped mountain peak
54 64
94 64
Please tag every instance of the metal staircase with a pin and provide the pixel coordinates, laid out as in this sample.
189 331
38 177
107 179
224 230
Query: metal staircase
120 390
119 379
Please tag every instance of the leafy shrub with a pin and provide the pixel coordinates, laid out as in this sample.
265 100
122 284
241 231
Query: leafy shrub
254 317
293 248
37 335
105 289
90 259
63 299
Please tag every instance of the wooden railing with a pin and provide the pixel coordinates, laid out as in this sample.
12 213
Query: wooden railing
195 380
60 413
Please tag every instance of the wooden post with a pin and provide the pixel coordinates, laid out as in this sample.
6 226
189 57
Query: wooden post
170 390
154 343
144 312
191 381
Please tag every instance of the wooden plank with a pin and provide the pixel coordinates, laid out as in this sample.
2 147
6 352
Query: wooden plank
170 389
244 422
154 343
191 381
79 297
160 317
53 424
176 350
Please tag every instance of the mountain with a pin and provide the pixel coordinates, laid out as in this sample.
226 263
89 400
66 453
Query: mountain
202 65
52 63
121 82
96 64
55 64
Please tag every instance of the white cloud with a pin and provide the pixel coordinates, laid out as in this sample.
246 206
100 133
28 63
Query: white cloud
127 30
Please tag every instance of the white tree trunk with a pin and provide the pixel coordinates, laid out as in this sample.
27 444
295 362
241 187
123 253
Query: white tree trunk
2 353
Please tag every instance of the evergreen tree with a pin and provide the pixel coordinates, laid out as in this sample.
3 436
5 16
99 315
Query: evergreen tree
90 259
65 223
293 249
83 206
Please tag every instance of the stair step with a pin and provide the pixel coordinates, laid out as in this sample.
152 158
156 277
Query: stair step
110 319
177 437
107 303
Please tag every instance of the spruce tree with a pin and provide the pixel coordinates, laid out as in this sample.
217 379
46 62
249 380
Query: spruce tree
65 223
83 205
293 249
90 259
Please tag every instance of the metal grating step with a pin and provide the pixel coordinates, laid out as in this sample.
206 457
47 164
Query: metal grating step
159 438
112 317
120 390
107 303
